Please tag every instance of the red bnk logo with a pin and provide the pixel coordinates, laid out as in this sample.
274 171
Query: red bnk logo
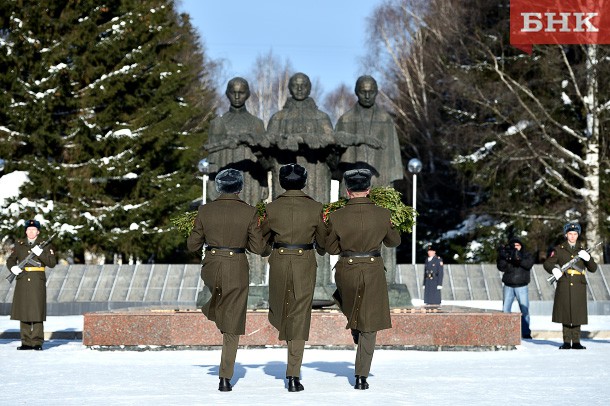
559 22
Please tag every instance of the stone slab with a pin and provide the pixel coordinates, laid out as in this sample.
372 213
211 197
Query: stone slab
448 326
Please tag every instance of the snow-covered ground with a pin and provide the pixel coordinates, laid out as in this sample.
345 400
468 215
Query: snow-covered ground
67 373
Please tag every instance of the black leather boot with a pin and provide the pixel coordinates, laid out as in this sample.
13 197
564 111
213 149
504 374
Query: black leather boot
361 383
565 346
294 384
578 346
25 347
225 385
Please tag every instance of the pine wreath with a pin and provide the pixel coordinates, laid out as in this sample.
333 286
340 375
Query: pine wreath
402 216
186 221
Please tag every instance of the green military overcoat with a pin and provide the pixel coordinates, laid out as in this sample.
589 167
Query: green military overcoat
293 218
570 304
226 222
30 297
362 291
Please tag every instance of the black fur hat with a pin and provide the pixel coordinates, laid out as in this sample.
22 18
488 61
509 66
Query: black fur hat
229 181
357 180
32 223
293 177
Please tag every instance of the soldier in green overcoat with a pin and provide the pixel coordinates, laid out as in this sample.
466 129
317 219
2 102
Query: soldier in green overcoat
570 304
30 297
294 228
356 233
227 226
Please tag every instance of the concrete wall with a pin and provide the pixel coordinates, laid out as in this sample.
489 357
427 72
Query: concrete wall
76 289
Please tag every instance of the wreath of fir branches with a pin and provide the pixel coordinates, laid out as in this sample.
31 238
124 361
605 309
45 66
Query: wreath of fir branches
185 222
402 216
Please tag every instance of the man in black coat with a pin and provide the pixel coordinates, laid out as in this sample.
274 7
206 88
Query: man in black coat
516 263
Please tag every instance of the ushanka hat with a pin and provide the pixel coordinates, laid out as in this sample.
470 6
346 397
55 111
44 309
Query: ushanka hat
229 181
357 180
32 223
293 177
572 227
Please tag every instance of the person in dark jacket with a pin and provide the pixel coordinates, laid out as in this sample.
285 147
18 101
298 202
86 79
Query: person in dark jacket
433 277
227 226
570 304
356 233
294 228
30 297
516 263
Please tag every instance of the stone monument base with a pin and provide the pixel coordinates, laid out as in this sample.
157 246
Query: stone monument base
426 328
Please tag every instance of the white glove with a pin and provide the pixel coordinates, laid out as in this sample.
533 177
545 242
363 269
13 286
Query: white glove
423 287
439 287
557 273
584 255
16 270
36 250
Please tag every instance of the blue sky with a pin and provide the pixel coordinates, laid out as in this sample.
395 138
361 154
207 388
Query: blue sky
325 39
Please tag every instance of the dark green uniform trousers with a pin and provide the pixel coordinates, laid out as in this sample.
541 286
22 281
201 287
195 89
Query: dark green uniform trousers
571 333
296 348
364 353
32 333
230 342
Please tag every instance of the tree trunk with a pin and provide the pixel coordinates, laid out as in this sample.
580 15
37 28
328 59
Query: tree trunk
592 155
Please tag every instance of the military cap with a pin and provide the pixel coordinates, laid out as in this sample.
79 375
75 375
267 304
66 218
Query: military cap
572 227
357 180
431 247
293 177
229 181
32 223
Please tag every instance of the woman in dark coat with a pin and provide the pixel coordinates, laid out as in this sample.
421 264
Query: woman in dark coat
227 226
433 278
292 225
570 304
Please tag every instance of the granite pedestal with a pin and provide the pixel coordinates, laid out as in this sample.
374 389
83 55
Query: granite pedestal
432 328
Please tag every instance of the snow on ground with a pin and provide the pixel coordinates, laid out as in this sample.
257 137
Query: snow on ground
67 373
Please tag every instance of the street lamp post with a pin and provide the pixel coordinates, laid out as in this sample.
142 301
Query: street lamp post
414 167
204 168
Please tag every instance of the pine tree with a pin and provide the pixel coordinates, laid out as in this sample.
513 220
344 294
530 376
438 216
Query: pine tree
106 106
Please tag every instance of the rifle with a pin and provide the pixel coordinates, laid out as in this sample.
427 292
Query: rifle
29 260
551 279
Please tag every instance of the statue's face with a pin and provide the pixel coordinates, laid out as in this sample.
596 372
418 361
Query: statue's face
238 93
367 92
300 88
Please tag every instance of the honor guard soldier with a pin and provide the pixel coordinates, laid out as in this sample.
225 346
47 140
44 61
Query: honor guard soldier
227 226
433 278
356 233
294 228
30 297
570 304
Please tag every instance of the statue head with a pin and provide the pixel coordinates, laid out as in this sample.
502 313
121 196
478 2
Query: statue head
299 86
238 91
366 90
